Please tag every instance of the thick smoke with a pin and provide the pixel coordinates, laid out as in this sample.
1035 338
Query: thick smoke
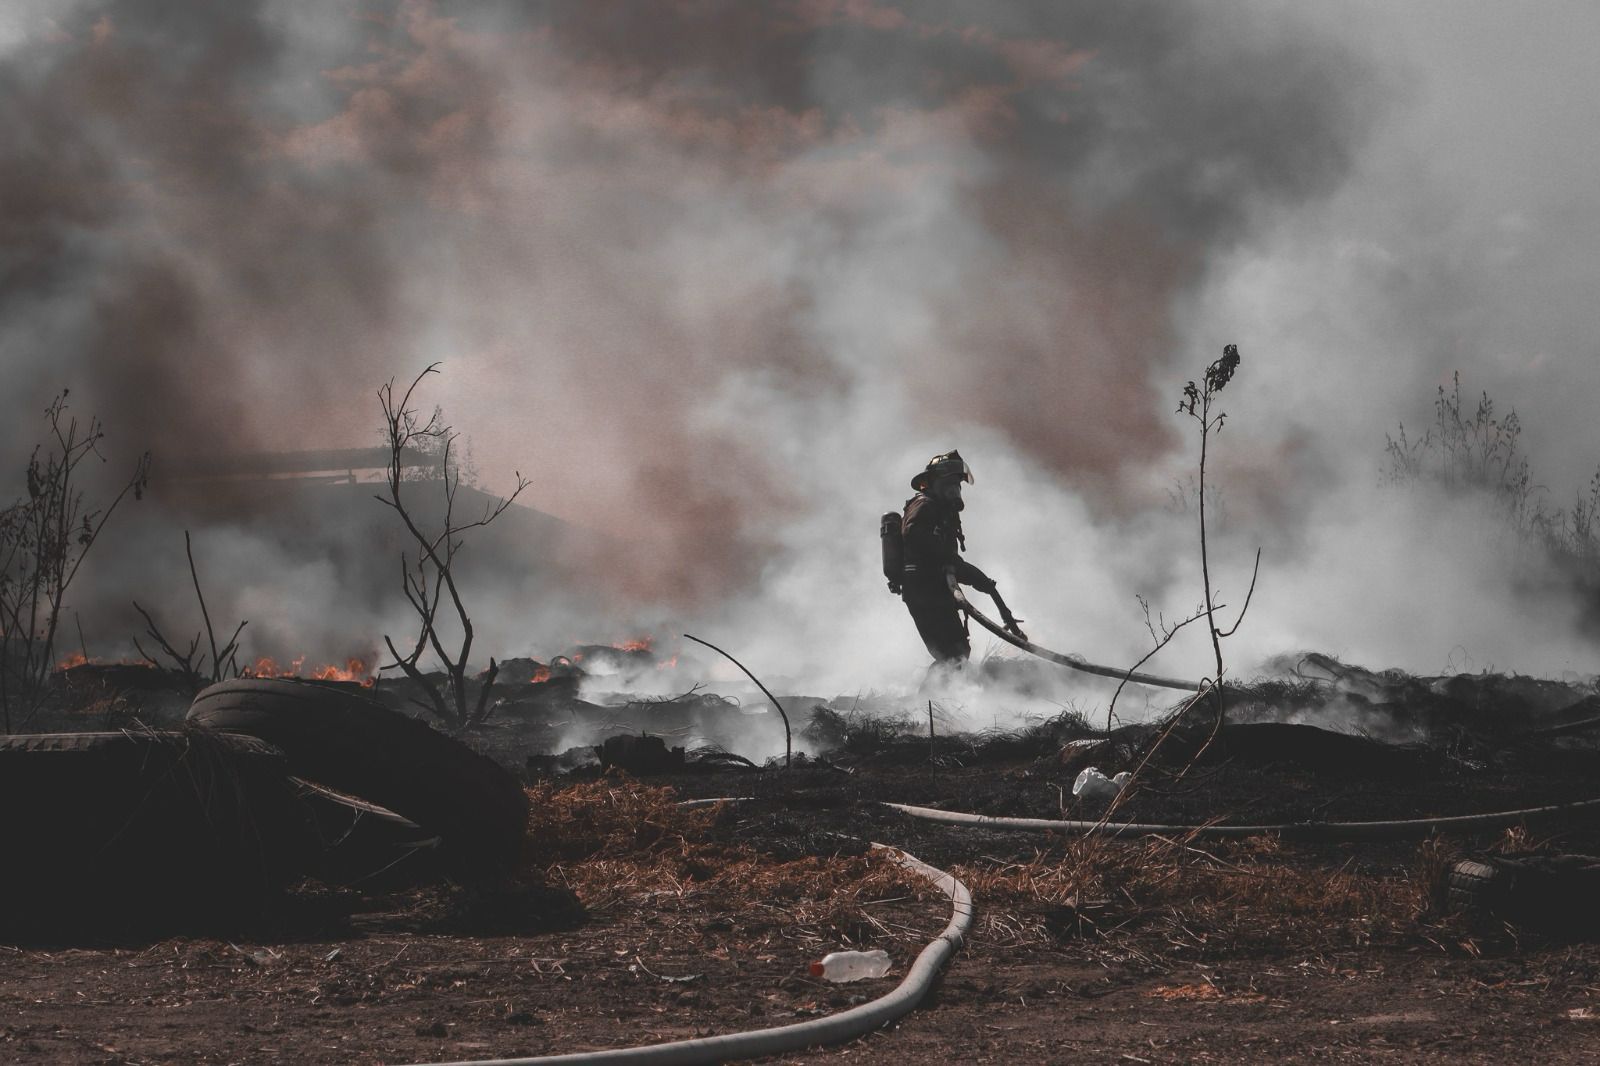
718 277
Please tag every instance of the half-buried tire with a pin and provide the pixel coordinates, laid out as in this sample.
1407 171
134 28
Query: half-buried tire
124 833
351 742
1478 891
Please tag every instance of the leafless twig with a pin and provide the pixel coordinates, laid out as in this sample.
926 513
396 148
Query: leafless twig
1161 639
183 662
788 747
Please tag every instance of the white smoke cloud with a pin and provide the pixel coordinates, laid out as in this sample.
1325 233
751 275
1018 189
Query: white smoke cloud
720 282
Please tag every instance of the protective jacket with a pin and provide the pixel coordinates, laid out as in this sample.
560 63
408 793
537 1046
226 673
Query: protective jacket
931 531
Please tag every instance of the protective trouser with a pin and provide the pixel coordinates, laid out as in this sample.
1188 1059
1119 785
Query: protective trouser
939 623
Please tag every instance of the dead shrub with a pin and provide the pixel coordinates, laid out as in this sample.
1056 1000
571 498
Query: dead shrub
1435 857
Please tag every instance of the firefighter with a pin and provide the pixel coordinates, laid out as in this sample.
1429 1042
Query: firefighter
930 531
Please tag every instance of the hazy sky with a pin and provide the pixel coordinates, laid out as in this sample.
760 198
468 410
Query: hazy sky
720 276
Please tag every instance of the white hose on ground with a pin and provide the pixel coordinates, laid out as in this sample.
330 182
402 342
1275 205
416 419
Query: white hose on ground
1388 829
1072 662
858 1021
1565 728
1401 829
846 1025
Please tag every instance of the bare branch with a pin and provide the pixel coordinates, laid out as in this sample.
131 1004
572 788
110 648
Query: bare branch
183 661
1256 570
1161 642
436 703
205 615
482 711
230 652
427 584
788 747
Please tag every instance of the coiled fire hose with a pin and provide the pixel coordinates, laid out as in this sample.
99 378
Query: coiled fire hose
1072 662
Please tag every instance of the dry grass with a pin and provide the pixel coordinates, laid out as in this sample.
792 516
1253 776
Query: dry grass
618 843
615 817
1215 897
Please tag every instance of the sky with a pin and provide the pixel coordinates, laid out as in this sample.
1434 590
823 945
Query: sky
719 277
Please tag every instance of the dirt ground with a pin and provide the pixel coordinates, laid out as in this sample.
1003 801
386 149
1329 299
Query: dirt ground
411 997
636 920
660 924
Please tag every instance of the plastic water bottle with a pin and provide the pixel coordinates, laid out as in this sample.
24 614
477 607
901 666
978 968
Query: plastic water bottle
841 966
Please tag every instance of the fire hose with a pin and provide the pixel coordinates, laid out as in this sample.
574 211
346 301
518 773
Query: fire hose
1012 635
835 1028
1390 829
1071 662
919 978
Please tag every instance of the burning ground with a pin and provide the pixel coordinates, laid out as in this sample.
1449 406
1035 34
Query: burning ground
634 918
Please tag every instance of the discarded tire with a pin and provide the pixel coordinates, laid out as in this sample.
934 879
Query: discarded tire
1476 890
351 742
1550 893
116 833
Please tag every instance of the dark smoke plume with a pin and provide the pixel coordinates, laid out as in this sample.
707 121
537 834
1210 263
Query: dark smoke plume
717 275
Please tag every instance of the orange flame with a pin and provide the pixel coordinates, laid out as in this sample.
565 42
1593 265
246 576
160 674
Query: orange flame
77 658
641 644
541 674
354 669
668 664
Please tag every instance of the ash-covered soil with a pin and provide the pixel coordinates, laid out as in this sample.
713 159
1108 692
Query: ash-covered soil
637 921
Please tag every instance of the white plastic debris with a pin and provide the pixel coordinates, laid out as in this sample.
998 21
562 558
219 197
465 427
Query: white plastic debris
842 966
1092 786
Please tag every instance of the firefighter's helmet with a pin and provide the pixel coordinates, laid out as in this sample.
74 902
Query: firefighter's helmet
947 464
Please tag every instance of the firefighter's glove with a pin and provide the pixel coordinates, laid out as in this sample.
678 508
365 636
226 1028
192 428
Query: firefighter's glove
1013 624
